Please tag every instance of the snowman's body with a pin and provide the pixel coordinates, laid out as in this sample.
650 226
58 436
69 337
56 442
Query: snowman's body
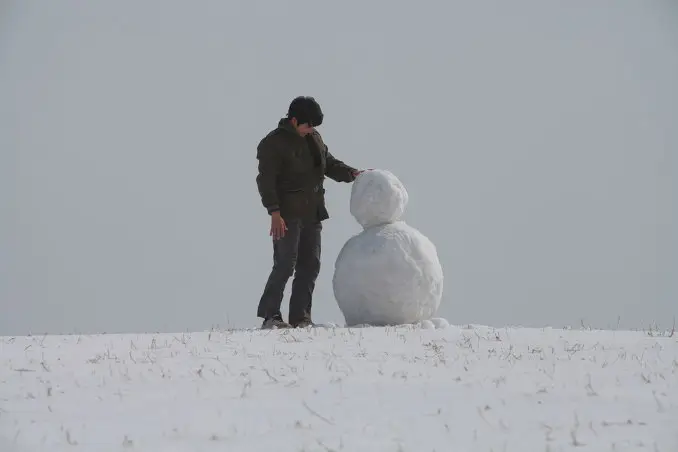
389 273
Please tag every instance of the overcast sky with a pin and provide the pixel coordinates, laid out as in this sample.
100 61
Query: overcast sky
537 141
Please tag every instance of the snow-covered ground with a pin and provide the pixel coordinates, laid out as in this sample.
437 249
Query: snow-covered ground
338 389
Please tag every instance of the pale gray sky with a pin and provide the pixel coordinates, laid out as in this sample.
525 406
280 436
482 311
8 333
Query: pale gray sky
537 141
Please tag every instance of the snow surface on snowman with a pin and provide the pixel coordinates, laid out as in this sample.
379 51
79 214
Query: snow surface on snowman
388 274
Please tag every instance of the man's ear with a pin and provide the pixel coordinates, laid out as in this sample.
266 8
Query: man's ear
294 121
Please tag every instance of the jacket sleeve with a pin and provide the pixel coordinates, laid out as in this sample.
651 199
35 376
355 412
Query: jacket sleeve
269 170
338 170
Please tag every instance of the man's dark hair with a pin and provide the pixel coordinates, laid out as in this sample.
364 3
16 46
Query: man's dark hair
306 110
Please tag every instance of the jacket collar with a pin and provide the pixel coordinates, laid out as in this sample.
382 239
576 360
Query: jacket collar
285 125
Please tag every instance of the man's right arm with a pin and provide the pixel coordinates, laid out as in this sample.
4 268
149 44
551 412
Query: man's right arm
269 170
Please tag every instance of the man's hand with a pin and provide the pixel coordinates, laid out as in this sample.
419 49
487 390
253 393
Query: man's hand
278 226
357 173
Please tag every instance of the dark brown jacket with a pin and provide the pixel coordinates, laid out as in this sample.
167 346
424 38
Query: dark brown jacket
292 170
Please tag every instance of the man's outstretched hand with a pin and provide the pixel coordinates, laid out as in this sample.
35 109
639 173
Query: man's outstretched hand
278 226
357 173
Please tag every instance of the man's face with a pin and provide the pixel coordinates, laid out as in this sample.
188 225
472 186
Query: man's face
303 129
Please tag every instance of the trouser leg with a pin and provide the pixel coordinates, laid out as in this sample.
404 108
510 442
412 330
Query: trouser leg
306 274
285 252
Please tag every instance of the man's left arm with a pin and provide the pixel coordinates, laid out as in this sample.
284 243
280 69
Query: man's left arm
338 170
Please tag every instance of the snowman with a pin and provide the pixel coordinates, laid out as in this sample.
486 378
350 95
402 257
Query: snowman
388 274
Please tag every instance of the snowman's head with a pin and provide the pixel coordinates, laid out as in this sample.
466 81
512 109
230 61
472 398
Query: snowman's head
377 197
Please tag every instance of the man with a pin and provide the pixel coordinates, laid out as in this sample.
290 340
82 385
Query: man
293 163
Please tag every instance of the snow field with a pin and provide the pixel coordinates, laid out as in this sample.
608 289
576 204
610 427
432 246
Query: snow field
401 388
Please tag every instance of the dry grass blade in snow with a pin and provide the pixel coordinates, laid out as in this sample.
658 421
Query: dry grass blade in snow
340 389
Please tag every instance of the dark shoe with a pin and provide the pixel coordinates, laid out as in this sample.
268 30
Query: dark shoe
274 323
302 323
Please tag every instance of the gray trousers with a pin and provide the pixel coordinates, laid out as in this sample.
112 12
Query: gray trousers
298 253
